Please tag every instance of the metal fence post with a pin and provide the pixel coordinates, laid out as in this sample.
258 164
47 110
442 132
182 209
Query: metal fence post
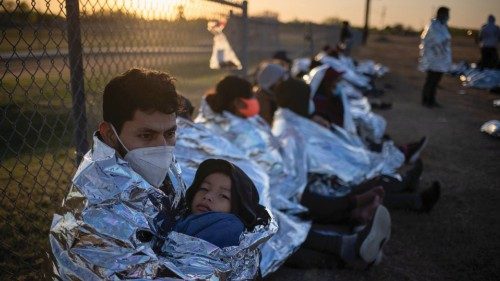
76 73
244 39
310 38
366 28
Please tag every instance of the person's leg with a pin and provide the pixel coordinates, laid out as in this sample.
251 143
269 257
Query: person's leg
327 209
364 245
306 258
490 57
495 60
484 58
435 79
426 91
423 201
405 201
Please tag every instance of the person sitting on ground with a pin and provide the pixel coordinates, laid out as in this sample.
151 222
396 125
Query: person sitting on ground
331 109
131 158
223 202
128 194
225 104
294 94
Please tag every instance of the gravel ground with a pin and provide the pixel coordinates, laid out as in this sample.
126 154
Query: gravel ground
459 239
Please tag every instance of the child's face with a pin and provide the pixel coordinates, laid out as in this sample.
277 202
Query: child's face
214 194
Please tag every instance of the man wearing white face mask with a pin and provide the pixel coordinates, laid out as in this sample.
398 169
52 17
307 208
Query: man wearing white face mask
127 193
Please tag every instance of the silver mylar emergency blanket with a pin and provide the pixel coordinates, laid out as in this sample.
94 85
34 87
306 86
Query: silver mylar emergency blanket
114 226
435 48
482 79
196 143
369 124
336 152
253 136
491 128
344 65
369 67
358 117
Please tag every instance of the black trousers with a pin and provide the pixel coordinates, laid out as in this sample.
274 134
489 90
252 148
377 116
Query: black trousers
489 58
430 87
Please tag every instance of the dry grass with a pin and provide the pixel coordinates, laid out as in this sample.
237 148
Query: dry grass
458 240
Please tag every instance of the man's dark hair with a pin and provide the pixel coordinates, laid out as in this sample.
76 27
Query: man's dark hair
138 89
442 11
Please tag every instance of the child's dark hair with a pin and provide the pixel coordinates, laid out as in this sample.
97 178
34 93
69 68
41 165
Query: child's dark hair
244 195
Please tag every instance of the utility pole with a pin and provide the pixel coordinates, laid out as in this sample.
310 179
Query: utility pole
367 17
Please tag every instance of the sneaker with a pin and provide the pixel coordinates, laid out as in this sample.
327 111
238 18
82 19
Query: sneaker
412 150
374 236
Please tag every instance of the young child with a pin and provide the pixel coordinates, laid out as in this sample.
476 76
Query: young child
223 203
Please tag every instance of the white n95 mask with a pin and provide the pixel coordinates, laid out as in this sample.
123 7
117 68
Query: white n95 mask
152 163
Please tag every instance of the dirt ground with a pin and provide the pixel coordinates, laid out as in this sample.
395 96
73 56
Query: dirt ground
459 239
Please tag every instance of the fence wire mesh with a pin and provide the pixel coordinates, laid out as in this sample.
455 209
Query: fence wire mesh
49 107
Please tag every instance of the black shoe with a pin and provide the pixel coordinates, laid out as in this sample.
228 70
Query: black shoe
436 105
426 104
412 177
413 150
430 197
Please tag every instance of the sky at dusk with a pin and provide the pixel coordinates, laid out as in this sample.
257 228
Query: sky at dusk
415 13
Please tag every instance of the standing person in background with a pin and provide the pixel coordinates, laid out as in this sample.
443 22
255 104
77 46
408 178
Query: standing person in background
346 38
435 55
489 35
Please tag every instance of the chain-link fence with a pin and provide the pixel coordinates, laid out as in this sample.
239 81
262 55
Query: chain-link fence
56 57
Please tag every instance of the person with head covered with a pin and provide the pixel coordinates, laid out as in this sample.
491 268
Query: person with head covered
269 76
